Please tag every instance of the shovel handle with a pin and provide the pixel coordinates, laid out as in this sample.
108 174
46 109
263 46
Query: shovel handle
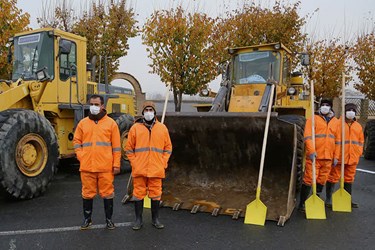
313 133
342 130
265 141
165 103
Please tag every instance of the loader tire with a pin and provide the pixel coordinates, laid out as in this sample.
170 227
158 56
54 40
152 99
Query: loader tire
300 123
369 147
29 153
124 123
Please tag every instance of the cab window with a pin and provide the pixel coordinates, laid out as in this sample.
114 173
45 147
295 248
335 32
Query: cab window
68 62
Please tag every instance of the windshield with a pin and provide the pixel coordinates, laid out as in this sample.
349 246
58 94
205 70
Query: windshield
254 67
31 53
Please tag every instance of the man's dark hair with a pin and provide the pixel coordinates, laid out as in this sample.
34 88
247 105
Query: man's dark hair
98 96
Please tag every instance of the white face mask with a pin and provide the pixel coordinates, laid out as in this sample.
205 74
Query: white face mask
350 115
149 115
325 109
94 109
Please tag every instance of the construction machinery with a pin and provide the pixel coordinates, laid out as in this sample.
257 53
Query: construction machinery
369 147
41 105
216 155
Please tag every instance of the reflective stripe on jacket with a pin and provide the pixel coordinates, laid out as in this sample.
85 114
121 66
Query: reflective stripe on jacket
97 145
354 140
325 138
148 150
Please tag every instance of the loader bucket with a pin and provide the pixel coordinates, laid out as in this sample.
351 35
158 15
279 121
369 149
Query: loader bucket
215 163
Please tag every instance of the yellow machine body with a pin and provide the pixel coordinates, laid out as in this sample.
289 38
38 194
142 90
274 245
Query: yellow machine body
51 78
216 155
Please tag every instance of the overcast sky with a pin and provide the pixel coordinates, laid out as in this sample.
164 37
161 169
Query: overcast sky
335 18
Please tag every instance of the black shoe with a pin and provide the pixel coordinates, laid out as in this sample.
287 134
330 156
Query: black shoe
329 189
138 208
87 211
86 224
108 209
156 223
348 188
137 225
155 214
110 224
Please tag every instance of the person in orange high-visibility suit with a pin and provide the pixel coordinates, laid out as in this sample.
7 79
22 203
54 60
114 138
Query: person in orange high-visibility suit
148 149
354 140
98 149
325 152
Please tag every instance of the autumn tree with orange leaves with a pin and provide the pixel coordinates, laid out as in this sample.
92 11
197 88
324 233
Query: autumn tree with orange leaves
180 47
253 24
363 54
12 21
327 62
108 29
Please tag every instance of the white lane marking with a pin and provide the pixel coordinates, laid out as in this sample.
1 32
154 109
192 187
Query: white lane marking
365 171
59 229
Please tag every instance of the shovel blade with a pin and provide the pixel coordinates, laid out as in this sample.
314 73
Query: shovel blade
341 201
315 208
256 213
147 202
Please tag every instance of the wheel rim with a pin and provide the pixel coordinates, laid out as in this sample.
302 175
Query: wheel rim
31 155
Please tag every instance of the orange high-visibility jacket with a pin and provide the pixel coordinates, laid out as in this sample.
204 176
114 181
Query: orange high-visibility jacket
97 145
325 138
354 140
148 150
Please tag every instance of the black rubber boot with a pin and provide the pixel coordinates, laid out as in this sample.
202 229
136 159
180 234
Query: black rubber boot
138 207
87 211
329 189
108 208
348 188
305 191
155 214
319 189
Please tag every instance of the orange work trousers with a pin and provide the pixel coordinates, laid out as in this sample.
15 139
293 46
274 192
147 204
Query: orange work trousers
323 167
142 184
349 173
92 182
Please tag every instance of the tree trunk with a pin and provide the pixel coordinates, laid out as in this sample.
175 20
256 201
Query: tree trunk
178 108
177 98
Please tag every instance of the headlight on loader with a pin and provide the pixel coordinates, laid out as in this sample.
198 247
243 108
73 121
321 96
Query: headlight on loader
291 91
205 92
42 75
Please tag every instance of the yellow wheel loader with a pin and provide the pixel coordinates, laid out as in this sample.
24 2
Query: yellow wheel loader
41 105
216 155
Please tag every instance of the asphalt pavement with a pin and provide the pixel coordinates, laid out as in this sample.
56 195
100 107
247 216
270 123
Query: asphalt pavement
52 222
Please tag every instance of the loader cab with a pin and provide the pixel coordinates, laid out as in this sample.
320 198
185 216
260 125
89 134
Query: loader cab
255 67
252 67
31 53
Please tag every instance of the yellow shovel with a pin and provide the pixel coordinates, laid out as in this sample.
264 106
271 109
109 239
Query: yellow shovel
314 205
147 200
256 211
341 199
